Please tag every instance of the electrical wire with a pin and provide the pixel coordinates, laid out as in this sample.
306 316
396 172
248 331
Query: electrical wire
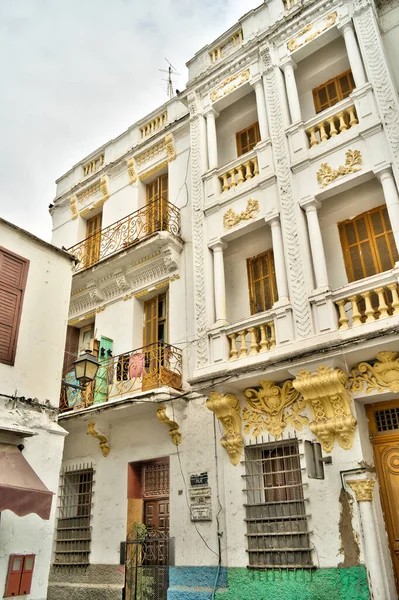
31 402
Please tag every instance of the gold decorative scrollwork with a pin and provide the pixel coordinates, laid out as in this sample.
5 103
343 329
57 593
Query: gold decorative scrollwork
379 376
131 171
363 489
353 162
103 439
230 84
170 149
294 44
165 415
330 402
227 410
74 208
232 218
272 408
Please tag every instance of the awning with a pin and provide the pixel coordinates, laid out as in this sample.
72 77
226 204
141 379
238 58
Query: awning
21 490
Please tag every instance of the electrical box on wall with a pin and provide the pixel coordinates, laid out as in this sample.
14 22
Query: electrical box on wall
314 460
19 577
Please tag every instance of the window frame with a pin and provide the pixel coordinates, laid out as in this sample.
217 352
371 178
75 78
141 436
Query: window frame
18 313
272 280
372 237
239 145
340 94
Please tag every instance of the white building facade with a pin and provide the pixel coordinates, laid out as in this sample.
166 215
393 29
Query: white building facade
238 282
35 284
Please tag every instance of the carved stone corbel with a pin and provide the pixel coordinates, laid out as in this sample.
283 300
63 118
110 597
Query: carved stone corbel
103 439
74 207
330 402
170 149
381 376
121 281
165 415
95 293
227 409
131 171
170 257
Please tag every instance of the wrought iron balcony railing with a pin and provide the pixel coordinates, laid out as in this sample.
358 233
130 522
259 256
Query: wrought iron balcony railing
150 367
158 215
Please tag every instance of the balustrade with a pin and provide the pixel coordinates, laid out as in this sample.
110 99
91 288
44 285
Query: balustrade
153 366
252 340
331 126
368 306
159 215
153 125
239 174
290 3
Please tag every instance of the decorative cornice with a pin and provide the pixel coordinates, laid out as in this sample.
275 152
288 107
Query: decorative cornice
103 439
381 375
363 489
296 43
150 153
165 415
227 411
326 394
229 85
326 174
231 218
271 408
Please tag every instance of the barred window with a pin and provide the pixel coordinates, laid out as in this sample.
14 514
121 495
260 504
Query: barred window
277 533
73 532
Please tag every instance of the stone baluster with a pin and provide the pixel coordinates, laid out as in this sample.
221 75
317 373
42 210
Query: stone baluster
243 344
240 174
343 319
248 173
263 344
313 138
333 130
382 305
395 298
323 133
342 123
232 174
253 345
255 164
233 346
369 310
225 182
352 116
272 339
356 315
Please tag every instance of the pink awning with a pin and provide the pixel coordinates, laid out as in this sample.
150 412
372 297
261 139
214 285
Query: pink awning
21 490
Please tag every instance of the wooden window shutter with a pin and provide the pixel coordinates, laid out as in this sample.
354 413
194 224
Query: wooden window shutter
150 321
71 349
27 573
333 91
247 139
13 274
261 282
368 244
14 575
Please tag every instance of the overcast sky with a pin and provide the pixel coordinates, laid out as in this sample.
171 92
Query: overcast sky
76 73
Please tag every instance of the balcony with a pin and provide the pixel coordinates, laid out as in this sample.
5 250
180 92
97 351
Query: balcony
253 337
367 301
156 216
239 173
147 368
331 123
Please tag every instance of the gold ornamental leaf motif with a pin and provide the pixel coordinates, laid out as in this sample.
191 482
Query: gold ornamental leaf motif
353 163
293 44
271 408
225 88
231 218
228 411
379 376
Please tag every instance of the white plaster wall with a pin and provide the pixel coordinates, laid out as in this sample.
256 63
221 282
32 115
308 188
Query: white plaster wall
235 265
389 22
328 62
344 206
116 323
230 121
40 348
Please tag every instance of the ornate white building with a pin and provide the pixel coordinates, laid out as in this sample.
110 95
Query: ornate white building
237 278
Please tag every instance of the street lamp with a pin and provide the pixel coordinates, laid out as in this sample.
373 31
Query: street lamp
86 367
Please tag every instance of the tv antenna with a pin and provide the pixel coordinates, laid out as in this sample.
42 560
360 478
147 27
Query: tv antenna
170 71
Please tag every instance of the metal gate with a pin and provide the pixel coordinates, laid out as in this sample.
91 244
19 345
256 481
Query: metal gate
147 566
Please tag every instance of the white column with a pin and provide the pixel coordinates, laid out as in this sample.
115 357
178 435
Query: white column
316 242
279 260
391 200
212 139
261 107
363 489
203 145
219 280
354 56
288 68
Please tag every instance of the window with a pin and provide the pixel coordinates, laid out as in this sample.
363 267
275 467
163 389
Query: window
277 533
368 244
13 275
73 532
333 91
93 240
261 282
247 139
19 577
157 201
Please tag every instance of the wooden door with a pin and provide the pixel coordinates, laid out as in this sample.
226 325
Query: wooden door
101 389
156 515
93 235
157 199
384 434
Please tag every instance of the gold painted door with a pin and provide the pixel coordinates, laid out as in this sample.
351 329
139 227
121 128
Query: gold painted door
93 235
157 201
384 434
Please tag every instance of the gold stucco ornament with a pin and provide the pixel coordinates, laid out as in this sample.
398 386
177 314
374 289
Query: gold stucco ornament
165 415
232 218
379 376
102 438
325 392
227 409
353 162
363 489
271 408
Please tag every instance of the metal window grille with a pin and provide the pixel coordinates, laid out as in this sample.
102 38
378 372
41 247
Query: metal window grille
73 532
156 480
277 533
387 419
